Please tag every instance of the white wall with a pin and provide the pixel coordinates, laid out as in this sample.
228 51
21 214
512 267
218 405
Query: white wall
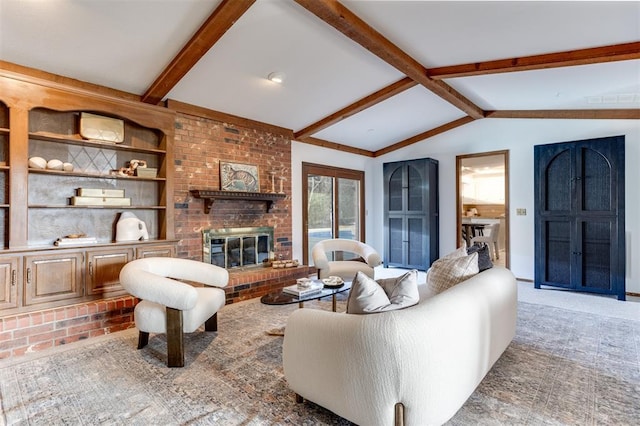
519 137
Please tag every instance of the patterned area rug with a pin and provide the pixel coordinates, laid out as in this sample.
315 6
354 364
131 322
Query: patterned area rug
563 367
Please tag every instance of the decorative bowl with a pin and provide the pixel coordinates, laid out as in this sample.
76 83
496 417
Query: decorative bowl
333 281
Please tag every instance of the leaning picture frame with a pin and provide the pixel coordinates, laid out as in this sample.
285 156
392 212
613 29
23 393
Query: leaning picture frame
239 177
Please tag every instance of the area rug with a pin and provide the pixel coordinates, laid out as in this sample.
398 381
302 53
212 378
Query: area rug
563 367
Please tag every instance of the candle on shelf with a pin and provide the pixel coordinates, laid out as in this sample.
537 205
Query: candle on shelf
282 179
273 181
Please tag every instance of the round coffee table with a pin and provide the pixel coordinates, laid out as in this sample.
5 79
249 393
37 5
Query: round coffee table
282 298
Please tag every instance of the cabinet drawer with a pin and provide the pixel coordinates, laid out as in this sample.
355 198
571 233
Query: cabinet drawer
49 278
164 250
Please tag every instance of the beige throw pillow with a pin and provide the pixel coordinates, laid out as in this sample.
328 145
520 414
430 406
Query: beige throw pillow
447 272
368 296
459 252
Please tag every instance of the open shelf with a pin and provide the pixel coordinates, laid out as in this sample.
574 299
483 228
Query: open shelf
91 175
65 206
77 140
210 195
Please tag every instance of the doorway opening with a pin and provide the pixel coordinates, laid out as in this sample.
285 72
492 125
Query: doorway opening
482 188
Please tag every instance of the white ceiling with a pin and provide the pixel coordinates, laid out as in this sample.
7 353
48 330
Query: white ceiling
126 44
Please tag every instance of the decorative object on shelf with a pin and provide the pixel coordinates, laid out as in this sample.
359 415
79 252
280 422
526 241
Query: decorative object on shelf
100 201
239 177
100 197
130 228
282 179
147 172
132 168
280 264
75 240
273 181
55 164
100 192
37 163
101 128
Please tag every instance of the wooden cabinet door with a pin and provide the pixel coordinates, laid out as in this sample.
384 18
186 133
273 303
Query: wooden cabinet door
411 213
8 282
52 277
103 270
580 216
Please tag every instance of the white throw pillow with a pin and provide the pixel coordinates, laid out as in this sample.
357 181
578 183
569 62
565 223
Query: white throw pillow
447 272
402 291
459 252
368 296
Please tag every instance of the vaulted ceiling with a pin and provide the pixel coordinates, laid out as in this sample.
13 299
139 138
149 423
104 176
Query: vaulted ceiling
361 76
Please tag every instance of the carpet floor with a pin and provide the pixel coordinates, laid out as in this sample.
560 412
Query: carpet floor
564 367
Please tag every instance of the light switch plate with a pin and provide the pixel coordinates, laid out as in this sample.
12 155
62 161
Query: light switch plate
521 212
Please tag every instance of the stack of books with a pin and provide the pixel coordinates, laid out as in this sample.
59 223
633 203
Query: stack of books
300 291
65 241
100 197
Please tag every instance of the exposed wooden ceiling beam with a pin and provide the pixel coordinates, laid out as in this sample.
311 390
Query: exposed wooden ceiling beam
580 114
617 52
338 16
360 105
424 135
338 147
218 23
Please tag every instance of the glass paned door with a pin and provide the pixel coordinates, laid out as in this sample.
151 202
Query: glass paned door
319 209
334 200
349 208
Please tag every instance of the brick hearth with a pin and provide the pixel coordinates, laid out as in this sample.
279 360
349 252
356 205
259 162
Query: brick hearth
257 282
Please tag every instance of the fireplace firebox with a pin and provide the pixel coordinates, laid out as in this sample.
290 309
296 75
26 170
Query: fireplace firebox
237 247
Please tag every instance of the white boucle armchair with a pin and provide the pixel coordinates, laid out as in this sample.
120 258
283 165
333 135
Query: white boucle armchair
171 306
345 269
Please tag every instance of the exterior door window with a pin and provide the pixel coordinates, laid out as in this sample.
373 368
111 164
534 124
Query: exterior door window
333 205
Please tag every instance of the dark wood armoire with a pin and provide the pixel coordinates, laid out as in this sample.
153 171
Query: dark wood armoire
579 216
411 213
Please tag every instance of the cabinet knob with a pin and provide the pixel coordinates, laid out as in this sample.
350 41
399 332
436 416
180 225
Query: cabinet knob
90 269
13 278
28 275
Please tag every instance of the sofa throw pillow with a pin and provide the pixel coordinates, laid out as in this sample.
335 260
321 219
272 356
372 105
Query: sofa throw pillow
368 296
459 252
445 273
484 257
402 291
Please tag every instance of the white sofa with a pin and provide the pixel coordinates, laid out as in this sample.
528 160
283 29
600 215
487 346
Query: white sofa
414 366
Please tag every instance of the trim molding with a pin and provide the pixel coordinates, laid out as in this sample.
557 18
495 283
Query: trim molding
202 112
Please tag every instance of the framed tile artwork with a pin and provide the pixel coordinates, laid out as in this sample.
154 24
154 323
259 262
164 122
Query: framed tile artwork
239 177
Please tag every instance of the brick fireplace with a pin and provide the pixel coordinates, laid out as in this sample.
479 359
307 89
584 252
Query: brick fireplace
200 144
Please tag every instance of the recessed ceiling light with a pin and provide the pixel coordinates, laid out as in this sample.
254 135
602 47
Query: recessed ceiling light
276 77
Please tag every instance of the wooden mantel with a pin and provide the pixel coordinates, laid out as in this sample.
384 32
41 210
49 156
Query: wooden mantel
210 195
